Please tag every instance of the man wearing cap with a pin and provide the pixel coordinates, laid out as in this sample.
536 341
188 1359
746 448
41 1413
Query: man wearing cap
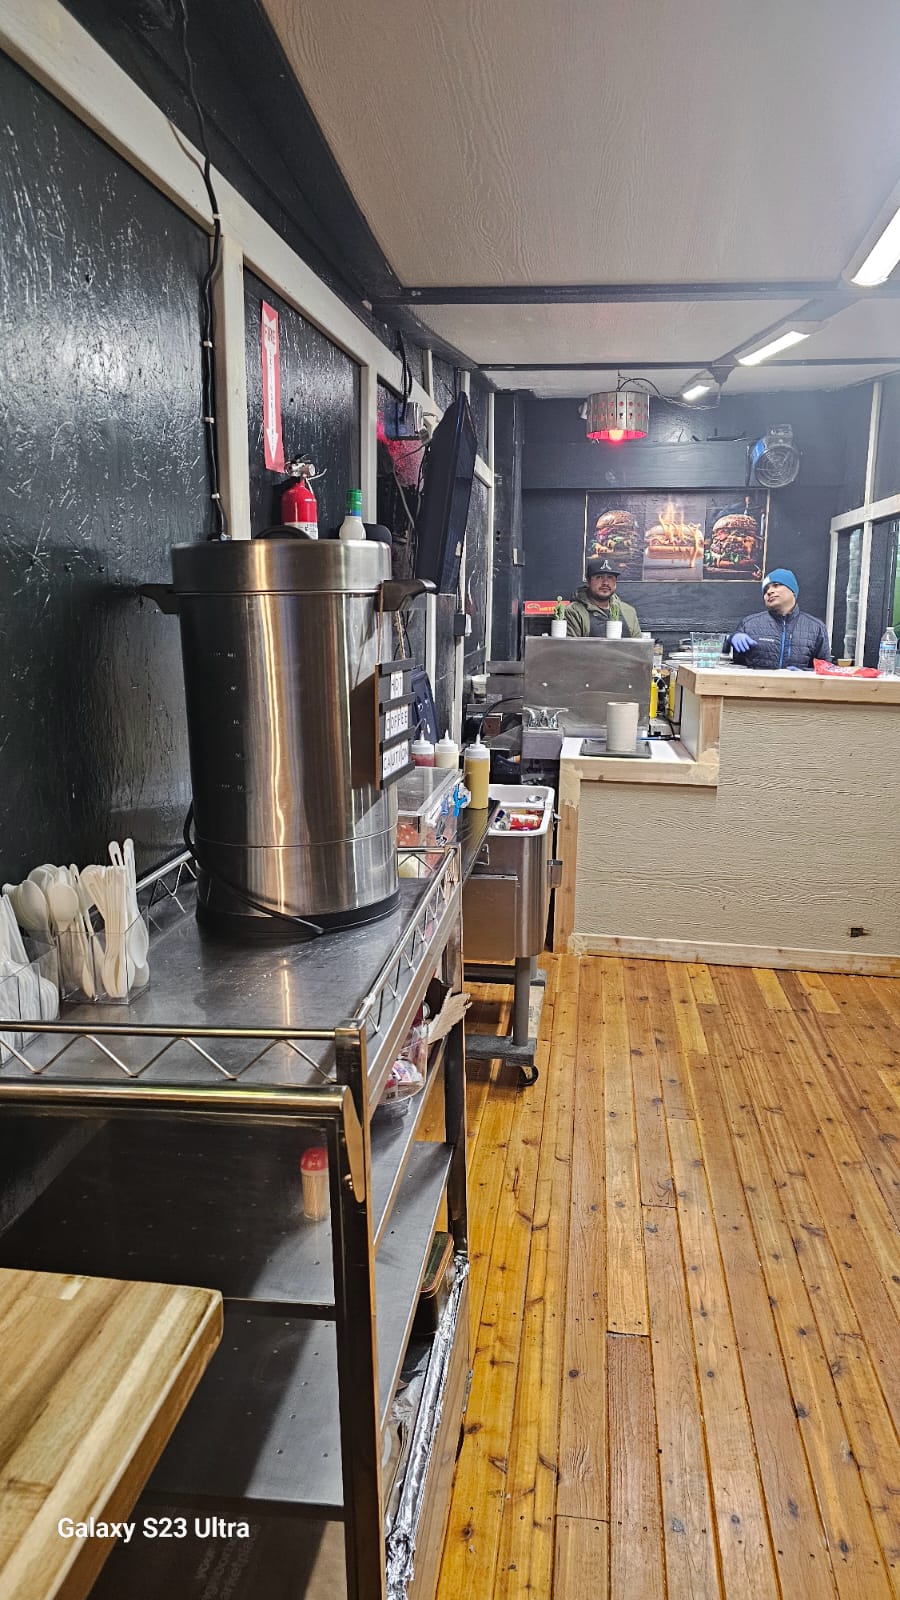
596 602
782 635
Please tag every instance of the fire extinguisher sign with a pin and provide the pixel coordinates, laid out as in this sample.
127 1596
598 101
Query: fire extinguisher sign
271 387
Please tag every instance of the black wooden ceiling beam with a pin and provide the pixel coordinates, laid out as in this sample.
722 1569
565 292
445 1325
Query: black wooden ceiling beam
627 293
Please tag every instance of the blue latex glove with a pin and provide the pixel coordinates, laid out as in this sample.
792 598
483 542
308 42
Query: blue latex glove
741 642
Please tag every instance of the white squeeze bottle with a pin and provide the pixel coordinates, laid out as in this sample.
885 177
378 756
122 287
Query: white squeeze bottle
477 769
353 529
422 752
446 752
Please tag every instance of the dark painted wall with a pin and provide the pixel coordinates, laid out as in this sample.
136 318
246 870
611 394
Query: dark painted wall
688 450
319 411
508 554
103 469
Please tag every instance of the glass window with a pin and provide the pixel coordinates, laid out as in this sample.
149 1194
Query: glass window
846 594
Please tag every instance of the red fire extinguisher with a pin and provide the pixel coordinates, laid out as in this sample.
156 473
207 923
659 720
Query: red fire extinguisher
298 503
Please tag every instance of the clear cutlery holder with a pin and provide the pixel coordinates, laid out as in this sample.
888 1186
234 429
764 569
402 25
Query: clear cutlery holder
28 993
95 967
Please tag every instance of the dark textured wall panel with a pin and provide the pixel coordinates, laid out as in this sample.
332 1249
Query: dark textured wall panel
508 557
319 411
445 385
102 470
478 399
477 540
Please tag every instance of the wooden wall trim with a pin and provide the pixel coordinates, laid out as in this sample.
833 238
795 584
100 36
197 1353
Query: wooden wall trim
734 955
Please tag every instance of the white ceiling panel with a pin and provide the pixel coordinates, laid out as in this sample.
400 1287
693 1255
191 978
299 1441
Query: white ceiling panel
648 331
867 328
580 141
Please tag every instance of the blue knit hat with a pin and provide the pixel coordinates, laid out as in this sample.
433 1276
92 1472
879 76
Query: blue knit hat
781 575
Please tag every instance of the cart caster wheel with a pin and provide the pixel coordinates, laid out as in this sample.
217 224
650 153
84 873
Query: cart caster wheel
528 1076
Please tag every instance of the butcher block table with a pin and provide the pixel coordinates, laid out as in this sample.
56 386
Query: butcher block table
94 1375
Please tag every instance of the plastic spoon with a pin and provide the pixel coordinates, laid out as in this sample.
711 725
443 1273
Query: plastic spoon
65 919
30 906
138 932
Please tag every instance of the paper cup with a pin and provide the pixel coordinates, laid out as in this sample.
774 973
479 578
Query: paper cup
558 627
621 726
614 628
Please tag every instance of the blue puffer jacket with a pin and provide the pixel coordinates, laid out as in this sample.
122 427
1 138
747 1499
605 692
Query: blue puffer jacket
796 640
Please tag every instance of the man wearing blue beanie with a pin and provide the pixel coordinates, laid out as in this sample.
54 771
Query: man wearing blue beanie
782 635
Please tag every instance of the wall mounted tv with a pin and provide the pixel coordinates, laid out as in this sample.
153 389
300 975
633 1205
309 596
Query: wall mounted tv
447 490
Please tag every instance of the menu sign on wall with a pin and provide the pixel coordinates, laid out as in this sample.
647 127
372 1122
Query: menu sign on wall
679 538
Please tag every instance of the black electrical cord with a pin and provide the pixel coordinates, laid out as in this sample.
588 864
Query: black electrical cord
207 304
407 372
313 929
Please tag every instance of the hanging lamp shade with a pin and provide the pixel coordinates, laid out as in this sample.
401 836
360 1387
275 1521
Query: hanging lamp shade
617 415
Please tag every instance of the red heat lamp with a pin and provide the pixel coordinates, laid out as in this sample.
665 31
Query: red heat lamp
618 415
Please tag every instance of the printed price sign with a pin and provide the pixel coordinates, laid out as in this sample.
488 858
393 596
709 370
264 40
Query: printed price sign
395 761
396 721
393 720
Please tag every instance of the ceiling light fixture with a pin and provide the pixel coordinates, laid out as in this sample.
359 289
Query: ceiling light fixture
773 348
882 258
698 385
617 415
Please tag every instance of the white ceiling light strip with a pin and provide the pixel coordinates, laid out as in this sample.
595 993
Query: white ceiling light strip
882 258
784 341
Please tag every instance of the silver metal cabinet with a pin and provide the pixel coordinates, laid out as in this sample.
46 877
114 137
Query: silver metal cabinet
204 1091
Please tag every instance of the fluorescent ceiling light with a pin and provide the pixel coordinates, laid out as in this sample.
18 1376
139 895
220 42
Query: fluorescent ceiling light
882 258
773 348
695 390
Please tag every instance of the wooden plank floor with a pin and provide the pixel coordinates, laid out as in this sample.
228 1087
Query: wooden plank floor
686 1283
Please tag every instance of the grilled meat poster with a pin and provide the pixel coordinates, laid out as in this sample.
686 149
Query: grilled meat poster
672 537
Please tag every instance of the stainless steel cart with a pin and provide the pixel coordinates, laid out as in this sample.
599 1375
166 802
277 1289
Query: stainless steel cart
200 1096
506 901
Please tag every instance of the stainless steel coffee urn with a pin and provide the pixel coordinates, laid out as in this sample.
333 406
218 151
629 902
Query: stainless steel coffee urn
281 639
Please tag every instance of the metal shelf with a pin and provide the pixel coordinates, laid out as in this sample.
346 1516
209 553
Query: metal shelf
215 1207
262 1425
216 1013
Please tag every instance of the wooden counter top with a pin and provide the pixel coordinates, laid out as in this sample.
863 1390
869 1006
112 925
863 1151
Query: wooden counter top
735 684
94 1375
669 762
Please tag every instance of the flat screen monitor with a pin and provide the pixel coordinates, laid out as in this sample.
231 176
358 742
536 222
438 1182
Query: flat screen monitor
447 490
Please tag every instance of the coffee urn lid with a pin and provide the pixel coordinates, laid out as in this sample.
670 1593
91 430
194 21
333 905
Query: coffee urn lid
280 566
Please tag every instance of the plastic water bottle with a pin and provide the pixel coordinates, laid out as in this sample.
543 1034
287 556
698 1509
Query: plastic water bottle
887 654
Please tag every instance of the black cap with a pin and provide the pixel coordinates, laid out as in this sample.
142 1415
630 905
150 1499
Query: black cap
596 568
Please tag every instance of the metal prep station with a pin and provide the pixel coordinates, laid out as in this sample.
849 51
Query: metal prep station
506 901
576 679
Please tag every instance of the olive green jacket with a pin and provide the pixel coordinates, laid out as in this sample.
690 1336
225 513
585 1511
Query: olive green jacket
584 608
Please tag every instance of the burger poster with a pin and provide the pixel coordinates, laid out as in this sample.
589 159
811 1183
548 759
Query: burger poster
679 538
735 545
